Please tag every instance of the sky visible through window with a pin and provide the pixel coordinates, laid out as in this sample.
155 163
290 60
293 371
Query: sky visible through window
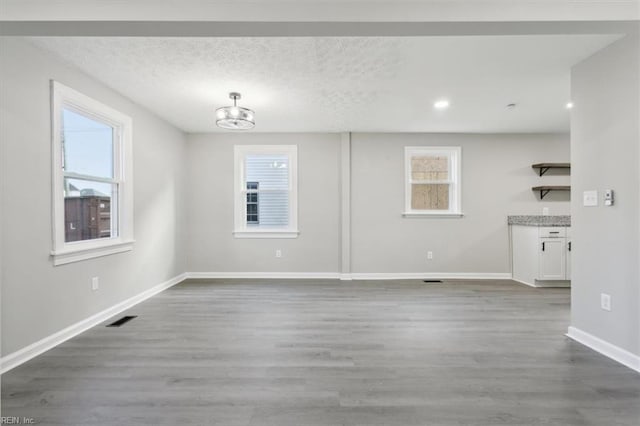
88 150
88 145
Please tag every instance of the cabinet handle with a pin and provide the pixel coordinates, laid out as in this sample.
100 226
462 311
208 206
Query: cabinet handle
543 246
569 245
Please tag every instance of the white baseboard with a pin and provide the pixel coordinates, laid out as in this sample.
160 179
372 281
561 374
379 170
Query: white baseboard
432 275
553 284
546 284
524 282
265 275
616 353
23 355
353 276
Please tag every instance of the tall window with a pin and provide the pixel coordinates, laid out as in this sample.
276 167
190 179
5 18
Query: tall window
432 181
90 184
266 191
92 177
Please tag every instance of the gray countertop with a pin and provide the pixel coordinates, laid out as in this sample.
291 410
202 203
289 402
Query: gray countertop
538 220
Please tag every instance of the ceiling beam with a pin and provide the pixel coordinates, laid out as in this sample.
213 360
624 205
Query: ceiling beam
308 29
320 10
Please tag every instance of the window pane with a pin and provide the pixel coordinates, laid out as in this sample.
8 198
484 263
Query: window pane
430 196
87 145
270 175
273 208
432 167
88 210
268 171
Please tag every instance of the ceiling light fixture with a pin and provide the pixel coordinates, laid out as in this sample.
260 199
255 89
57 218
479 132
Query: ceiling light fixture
441 104
569 105
235 117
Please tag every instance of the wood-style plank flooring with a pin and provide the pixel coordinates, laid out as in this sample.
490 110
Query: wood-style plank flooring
322 352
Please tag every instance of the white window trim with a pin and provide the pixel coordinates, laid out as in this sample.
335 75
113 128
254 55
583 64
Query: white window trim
266 234
240 228
455 206
63 252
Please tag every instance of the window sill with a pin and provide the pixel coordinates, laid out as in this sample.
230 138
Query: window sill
266 234
84 252
432 215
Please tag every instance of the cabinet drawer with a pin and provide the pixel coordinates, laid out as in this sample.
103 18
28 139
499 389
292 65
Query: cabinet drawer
552 232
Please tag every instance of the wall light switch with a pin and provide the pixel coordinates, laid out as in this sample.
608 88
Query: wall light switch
278 253
590 198
95 283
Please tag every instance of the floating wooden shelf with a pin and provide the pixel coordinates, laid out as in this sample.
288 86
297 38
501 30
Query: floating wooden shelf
544 167
544 190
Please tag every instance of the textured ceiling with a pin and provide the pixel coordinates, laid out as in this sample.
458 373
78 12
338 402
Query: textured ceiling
343 84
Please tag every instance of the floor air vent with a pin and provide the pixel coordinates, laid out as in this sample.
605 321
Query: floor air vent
122 321
432 281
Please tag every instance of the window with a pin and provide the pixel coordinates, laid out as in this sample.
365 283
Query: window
432 181
266 191
92 193
252 203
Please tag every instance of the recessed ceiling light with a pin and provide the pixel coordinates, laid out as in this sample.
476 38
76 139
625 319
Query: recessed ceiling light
441 104
569 105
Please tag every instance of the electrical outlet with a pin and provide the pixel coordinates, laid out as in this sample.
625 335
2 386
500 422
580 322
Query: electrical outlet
430 255
608 197
95 283
545 211
605 301
278 253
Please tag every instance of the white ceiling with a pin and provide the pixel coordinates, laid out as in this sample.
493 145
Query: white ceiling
319 84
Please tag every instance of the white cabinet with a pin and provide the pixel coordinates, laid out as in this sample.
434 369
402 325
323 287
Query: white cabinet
540 255
552 259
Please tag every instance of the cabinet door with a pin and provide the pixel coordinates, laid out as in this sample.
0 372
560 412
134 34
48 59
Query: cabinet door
552 260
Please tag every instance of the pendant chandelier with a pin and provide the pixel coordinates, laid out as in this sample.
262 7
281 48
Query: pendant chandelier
235 117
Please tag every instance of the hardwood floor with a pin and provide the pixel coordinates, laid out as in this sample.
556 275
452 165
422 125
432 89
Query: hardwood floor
321 352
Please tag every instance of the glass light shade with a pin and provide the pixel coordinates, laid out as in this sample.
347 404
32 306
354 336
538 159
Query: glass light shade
235 118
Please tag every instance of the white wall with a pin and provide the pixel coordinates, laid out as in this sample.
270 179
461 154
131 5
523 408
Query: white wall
496 182
605 139
213 248
39 299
